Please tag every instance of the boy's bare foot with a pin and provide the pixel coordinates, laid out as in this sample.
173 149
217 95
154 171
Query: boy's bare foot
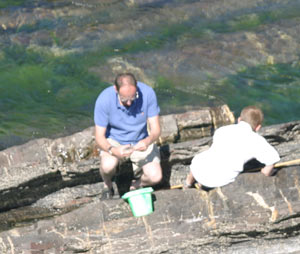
186 185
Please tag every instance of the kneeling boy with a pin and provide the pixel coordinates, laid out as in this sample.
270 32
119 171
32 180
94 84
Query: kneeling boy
233 145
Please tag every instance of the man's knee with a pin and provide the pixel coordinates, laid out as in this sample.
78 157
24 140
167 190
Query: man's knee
157 177
108 164
154 172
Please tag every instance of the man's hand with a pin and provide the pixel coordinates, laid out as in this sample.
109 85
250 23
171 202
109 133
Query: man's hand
122 151
154 125
142 145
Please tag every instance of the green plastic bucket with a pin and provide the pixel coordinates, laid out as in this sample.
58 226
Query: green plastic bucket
140 201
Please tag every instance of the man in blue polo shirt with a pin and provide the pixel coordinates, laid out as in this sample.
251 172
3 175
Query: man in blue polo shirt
121 115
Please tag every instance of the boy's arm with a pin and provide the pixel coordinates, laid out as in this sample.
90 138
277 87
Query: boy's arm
267 155
267 170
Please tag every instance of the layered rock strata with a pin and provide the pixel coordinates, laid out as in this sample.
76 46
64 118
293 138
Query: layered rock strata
60 177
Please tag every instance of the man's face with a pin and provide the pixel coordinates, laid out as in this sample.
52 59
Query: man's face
127 94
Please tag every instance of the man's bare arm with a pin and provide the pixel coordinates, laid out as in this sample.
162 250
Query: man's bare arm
154 129
154 134
101 139
104 145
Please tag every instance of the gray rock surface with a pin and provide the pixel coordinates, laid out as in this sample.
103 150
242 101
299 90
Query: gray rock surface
51 204
255 213
43 166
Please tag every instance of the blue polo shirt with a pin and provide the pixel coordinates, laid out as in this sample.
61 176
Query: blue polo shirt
126 125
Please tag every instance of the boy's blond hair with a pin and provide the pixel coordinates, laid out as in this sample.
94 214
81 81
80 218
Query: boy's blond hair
252 115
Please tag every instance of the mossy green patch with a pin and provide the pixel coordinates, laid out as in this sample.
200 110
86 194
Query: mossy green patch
48 93
43 94
11 3
173 100
274 88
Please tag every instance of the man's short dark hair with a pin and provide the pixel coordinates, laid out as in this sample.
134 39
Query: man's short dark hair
119 79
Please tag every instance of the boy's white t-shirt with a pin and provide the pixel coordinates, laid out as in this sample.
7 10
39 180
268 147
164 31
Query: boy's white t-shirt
233 145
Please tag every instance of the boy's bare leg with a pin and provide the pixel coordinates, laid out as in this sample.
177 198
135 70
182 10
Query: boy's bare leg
190 180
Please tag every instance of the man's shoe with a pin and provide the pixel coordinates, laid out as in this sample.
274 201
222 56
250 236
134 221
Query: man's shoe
107 193
135 184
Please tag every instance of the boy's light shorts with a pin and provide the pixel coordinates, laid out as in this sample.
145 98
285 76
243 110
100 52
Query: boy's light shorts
140 158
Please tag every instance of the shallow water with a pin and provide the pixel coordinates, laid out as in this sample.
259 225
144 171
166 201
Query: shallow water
55 59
